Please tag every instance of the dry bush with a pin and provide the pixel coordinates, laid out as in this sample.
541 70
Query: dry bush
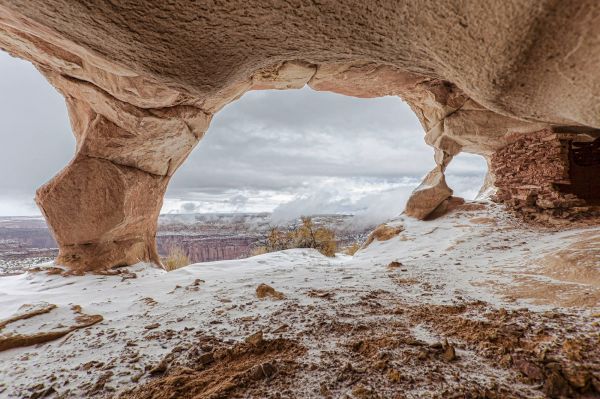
260 250
176 258
307 235
383 232
319 238
278 240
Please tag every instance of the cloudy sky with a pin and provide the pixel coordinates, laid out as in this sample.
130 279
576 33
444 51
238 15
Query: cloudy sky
291 152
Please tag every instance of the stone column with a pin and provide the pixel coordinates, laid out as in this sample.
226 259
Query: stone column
432 191
103 206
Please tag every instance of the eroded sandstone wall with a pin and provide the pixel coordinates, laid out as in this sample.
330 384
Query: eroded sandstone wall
142 81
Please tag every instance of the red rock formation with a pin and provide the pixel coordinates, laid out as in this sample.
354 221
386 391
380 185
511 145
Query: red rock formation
143 79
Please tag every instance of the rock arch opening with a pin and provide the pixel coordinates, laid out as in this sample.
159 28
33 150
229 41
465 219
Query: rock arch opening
300 152
35 136
466 175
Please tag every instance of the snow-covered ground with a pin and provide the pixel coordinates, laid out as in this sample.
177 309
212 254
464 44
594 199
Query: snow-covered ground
471 266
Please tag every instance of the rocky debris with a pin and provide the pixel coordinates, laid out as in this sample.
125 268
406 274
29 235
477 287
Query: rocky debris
28 311
266 291
255 339
534 345
383 232
394 265
449 353
234 369
14 338
447 206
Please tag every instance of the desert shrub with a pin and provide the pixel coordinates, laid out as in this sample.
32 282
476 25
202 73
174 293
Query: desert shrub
259 250
176 258
278 240
307 235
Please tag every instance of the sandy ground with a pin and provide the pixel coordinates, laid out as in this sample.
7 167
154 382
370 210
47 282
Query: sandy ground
475 305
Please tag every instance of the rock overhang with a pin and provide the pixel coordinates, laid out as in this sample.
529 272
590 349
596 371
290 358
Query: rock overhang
142 82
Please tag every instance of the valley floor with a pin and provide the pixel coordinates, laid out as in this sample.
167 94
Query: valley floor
475 305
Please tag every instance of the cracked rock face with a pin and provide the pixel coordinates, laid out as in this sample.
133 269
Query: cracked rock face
142 81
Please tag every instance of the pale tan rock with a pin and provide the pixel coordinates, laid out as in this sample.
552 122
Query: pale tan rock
429 195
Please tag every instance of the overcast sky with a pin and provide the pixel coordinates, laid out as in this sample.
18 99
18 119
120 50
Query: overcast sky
292 152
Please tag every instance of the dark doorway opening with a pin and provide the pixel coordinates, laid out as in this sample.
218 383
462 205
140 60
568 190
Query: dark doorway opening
584 170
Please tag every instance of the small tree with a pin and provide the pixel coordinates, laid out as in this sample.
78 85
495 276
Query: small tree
319 238
307 235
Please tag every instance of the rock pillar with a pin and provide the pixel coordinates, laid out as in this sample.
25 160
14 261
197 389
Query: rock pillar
103 206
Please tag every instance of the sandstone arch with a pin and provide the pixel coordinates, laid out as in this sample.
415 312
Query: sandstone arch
143 79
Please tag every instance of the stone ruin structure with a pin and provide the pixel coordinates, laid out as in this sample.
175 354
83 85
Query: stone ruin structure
551 176
142 80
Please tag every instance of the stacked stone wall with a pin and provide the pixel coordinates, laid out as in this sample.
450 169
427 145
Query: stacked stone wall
531 174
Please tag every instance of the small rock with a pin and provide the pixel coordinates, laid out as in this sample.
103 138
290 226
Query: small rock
505 360
162 366
577 378
394 376
556 386
573 349
380 364
261 371
152 326
264 290
362 392
449 353
43 393
394 265
206 358
127 275
255 339
529 369
281 328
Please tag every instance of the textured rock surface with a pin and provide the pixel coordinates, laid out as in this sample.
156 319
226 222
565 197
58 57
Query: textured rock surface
142 81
